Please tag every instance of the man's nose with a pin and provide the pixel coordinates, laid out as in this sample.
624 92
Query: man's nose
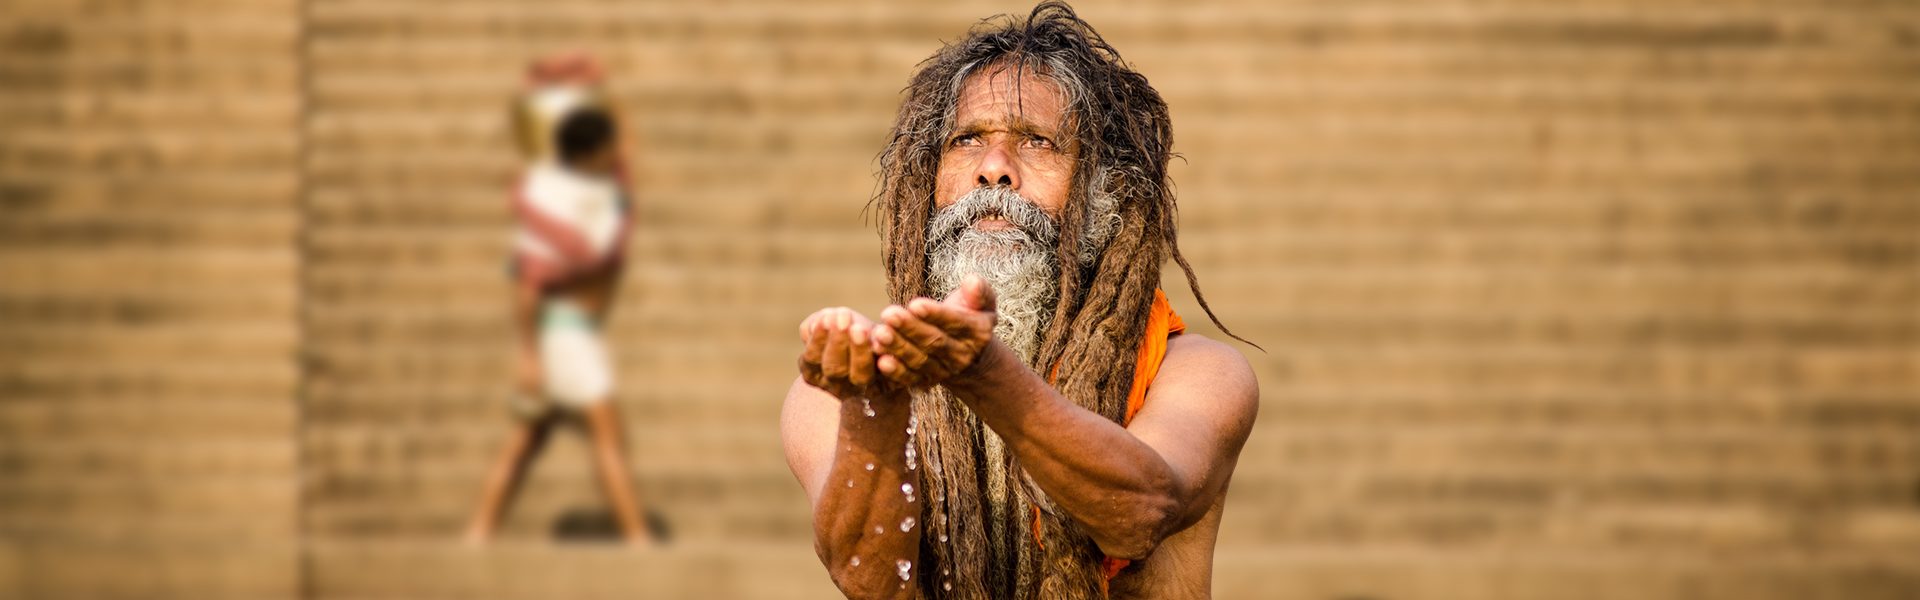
998 168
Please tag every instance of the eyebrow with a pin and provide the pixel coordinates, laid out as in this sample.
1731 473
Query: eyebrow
1015 124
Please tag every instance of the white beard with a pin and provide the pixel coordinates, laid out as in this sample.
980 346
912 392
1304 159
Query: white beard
1019 262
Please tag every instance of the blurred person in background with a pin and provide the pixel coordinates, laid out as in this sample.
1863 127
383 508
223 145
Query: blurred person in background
1028 420
573 218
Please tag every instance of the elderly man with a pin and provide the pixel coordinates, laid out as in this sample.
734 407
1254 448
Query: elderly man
1028 420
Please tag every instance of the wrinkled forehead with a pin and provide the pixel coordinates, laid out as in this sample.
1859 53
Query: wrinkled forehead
1010 94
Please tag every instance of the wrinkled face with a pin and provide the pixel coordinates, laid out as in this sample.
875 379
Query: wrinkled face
1001 186
1007 132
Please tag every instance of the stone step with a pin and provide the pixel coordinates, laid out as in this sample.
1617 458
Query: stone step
340 331
1378 57
483 203
1388 572
1727 370
1261 97
509 570
179 113
249 377
148 148
1656 529
380 138
1352 410
258 501
1717 449
143 419
191 191
70 569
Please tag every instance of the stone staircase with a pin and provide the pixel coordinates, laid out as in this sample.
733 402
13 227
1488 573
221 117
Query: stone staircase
149 321
1589 299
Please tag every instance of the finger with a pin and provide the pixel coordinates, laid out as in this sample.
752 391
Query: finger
816 340
979 294
892 344
890 367
833 360
806 326
927 338
859 357
954 321
856 320
810 373
920 306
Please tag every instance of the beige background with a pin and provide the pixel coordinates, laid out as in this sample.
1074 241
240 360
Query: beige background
1577 299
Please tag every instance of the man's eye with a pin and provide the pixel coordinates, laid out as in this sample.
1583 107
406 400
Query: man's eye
1040 142
964 140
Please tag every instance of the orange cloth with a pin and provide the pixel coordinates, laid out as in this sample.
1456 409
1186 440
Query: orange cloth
1162 325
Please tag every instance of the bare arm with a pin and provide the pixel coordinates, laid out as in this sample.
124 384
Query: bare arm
571 246
852 464
1131 487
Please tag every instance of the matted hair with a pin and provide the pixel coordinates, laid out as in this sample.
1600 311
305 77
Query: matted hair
1116 231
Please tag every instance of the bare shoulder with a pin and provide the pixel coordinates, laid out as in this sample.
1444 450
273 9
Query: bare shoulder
1219 372
1203 401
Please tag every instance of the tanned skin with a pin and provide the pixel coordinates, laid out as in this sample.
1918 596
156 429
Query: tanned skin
1151 491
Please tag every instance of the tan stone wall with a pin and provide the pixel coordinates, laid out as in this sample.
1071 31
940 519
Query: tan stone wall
149 188
1589 299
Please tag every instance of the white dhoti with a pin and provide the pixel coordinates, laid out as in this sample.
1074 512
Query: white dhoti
578 370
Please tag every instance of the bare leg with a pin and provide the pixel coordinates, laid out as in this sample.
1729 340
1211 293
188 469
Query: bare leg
610 459
522 446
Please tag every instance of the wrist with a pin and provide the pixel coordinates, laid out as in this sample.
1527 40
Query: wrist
987 371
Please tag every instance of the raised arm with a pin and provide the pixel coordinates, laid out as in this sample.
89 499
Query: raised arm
845 440
1131 487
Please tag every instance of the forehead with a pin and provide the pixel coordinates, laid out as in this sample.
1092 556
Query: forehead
1004 95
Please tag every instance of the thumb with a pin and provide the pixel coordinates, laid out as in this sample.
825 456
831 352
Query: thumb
977 294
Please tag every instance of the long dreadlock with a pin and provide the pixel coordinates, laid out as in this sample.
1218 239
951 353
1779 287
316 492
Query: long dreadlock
1116 230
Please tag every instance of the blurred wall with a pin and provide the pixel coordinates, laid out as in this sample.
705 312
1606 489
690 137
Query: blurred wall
1589 299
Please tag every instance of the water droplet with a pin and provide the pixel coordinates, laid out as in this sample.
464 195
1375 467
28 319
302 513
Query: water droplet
869 466
866 407
855 561
849 483
913 422
943 538
879 529
906 568
945 572
946 585
906 524
943 519
906 488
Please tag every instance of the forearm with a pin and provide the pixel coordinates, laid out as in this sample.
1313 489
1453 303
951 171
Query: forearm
1119 488
561 237
864 521
526 311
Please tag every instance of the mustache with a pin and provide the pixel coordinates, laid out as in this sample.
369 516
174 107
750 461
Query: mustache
1027 219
